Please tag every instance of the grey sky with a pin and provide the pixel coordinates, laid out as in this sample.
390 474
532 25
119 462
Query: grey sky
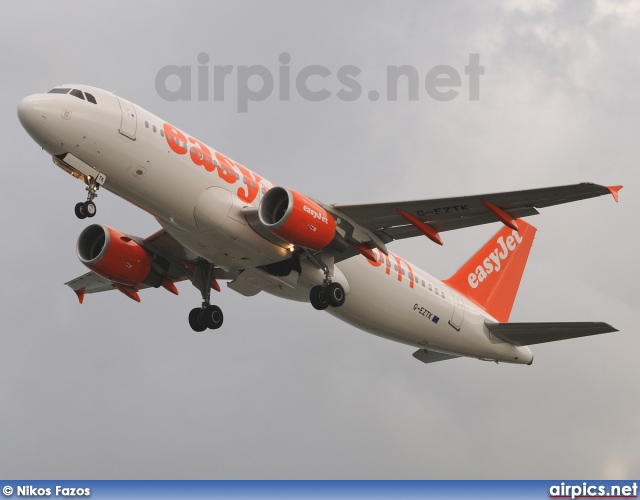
115 389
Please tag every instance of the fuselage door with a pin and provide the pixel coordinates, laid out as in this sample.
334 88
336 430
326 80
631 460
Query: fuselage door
458 311
129 121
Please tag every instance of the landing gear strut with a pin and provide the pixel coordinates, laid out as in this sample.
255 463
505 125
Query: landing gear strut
88 208
208 316
329 293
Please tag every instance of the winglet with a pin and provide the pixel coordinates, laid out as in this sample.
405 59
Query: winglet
80 293
614 191
422 226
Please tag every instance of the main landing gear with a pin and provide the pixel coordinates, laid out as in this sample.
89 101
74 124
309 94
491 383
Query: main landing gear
329 293
208 316
322 297
88 208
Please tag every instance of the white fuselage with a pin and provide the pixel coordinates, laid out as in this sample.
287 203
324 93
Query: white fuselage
198 195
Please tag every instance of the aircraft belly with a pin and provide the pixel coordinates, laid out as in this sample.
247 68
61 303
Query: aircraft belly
232 246
382 305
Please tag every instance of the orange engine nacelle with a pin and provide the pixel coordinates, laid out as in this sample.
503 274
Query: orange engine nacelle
116 257
298 220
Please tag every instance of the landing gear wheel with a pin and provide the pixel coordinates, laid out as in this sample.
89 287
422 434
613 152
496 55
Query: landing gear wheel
334 294
318 298
80 211
89 208
213 317
197 320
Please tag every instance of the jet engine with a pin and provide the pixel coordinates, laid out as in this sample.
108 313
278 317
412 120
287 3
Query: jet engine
298 220
116 257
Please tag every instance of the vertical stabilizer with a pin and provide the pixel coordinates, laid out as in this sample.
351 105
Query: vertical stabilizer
492 276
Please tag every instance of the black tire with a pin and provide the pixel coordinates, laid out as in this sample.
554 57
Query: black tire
80 211
197 320
213 317
334 294
318 299
89 208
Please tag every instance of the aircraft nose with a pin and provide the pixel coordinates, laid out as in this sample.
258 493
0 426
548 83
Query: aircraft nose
31 115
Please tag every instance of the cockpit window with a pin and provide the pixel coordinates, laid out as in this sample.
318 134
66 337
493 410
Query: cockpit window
90 98
77 93
58 90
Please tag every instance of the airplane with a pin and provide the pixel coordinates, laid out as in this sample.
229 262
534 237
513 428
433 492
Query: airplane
222 222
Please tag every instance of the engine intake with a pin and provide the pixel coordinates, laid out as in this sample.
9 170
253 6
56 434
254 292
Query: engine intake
299 220
116 257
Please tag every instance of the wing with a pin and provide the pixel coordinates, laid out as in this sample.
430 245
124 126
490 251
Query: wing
171 261
522 334
431 217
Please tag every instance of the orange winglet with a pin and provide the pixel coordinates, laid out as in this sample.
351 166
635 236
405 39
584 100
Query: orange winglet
422 226
366 251
129 291
168 285
502 216
614 191
80 293
215 285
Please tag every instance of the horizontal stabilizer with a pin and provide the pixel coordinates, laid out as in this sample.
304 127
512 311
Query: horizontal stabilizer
432 356
522 334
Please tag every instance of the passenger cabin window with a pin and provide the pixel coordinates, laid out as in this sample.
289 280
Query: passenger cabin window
77 93
90 98
59 91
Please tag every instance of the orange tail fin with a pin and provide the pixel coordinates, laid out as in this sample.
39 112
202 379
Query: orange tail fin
492 276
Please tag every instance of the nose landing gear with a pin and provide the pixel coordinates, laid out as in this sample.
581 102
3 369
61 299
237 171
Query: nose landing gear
88 208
